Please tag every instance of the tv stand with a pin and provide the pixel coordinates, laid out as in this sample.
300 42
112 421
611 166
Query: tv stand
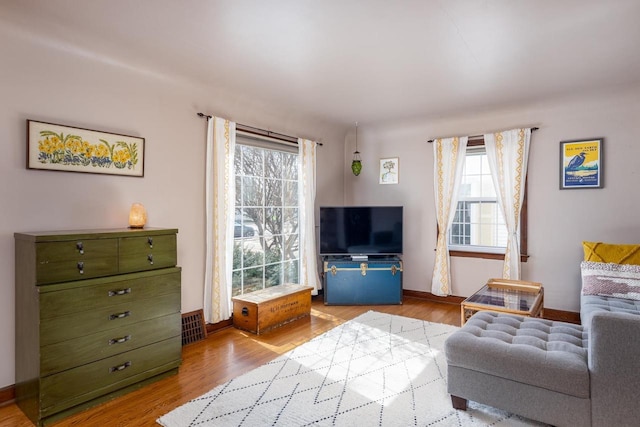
362 281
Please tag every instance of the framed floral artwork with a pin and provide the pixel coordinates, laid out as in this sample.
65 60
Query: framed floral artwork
57 147
581 164
389 170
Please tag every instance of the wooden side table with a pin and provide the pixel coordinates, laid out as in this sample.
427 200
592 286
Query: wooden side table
505 296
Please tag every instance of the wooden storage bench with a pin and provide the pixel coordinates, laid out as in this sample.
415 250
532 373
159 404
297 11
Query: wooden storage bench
263 310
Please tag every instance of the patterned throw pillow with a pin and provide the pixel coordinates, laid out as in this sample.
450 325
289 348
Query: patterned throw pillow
609 279
611 252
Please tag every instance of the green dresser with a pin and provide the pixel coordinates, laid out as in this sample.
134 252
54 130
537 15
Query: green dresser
97 315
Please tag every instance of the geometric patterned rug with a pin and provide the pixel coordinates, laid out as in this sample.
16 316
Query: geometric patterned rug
375 370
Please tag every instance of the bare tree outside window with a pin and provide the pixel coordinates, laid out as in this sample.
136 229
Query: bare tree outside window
266 233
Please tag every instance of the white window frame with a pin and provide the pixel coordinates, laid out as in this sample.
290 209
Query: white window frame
476 147
265 144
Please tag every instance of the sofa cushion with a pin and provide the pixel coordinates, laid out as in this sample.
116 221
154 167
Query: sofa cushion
542 353
591 304
611 252
612 280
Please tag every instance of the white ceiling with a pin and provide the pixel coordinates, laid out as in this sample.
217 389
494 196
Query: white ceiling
365 60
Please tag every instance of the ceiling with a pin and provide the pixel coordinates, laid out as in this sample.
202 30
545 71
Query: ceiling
356 60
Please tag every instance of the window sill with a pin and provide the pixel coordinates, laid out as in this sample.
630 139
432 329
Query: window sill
485 255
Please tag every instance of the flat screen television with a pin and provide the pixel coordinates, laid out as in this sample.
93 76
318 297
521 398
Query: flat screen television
361 230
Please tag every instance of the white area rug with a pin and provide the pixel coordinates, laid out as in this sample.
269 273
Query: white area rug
377 369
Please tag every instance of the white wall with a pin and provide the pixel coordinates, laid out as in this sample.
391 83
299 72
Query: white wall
42 81
559 220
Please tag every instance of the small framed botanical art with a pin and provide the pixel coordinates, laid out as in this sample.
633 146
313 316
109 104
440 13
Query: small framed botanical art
66 148
389 170
581 164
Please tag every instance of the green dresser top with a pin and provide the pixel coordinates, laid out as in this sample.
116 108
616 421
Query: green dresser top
47 236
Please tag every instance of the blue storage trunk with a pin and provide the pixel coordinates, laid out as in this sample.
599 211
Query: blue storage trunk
370 282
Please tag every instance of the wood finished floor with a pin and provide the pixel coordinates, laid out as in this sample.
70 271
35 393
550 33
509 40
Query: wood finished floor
224 355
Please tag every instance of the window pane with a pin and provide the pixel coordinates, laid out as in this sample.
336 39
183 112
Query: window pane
274 220
238 191
252 279
273 275
236 283
237 158
237 254
290 193
273 163
273 192
254 218
252 252
488 189
472 164
291 273
291 247
273 252
252 191
290 223
290 166
252 161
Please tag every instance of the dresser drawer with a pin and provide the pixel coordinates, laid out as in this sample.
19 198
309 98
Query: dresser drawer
147 252
69 388
75 260
60 300
63 328
80 351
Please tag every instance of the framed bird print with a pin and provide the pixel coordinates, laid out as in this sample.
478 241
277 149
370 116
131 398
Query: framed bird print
581 164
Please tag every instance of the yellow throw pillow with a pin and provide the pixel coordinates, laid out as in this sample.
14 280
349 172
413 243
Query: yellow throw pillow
609 252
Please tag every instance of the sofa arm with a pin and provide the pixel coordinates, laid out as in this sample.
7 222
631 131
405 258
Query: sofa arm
614 367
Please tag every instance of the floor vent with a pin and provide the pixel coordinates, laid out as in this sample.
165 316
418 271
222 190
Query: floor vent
193 327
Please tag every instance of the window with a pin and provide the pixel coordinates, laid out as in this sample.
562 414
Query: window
478 228
266 240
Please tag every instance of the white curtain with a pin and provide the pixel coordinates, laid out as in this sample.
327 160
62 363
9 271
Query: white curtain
220 215
508 154
307 196
449 156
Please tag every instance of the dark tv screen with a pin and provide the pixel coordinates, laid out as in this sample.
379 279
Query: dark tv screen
361 230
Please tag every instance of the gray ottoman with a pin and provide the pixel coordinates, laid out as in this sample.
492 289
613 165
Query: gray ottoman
532 367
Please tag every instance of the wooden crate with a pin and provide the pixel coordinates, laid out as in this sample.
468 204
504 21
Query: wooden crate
263 310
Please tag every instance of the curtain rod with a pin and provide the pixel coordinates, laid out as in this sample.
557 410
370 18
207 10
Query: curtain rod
477 136
262 132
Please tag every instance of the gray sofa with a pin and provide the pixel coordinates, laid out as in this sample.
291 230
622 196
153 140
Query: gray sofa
555 372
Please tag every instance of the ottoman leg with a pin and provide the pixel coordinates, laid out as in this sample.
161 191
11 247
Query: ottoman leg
458 403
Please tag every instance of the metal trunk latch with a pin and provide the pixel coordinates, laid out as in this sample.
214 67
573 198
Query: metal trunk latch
363 268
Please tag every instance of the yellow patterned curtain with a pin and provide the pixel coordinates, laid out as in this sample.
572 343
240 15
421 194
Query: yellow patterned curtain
449 155
220 214
508 154
307 185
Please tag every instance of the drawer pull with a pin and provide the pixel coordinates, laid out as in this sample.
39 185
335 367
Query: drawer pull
119 340
120 315
120 367
80 248
119 292
150 258
81 267
150 241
